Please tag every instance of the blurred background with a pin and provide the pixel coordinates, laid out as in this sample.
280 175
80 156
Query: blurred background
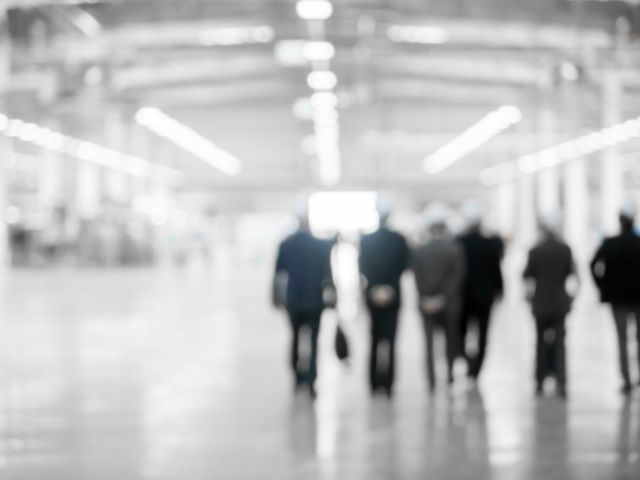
145 132
151 155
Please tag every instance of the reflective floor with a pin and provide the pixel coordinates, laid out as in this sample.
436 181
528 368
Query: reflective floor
182 375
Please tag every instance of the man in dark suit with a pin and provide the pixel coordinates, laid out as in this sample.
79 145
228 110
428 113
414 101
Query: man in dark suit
549 265
482 285
616 272
302 283
384 256
438 268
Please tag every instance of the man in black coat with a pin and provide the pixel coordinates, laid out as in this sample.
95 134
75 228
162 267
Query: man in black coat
302 282
549 265
616 272
481 286
384 256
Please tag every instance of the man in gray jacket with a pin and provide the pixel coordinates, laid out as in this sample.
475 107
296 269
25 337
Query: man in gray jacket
439 267
549 265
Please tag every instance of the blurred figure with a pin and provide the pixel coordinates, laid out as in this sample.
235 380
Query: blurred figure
482 285
303 284
383 258
439 268
549 266
616 272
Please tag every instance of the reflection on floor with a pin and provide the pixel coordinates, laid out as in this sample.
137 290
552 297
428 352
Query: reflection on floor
140 375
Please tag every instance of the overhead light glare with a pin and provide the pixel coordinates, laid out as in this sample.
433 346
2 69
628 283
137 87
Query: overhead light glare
322 80
188 139
314 9
472 138
86 151
564 152
315 51
417 34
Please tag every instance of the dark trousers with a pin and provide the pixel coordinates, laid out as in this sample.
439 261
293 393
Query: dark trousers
478 313
447 322
304 371
384 322
550 348
621 315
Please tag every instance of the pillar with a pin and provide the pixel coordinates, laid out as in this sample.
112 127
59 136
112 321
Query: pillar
4 79
116 138
503 208
548 180
577 208
611 164
526 211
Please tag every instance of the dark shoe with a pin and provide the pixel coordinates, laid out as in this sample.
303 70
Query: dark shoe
626 389
432 388
389 392
312 392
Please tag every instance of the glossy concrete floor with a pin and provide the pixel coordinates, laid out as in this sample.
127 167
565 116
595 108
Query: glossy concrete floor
182 376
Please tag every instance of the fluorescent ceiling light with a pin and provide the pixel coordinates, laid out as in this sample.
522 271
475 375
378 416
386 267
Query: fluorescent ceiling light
566 151
322 80
324 100
314 9
86 151
318 51
227 36
188 139
417 34
472 138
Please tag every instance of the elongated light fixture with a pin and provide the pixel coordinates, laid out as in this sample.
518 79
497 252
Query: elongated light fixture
472 138
564 152
86 151
314 9
188 139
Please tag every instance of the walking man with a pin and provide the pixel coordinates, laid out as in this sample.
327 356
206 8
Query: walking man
302 283
549 265
438 268
384 256
616 272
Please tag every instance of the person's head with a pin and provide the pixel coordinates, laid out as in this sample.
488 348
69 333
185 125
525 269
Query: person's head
550 223
627 215
472 214
383 206
436 219
302 213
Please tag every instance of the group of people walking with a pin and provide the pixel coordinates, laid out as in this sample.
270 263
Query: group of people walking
458 280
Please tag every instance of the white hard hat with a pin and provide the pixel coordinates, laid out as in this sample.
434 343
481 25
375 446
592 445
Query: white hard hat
436 214
301 209
472 212
551 220
383 205
628 209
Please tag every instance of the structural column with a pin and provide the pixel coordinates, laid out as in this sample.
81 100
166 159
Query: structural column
611 164
526 211
548 180
577 207
117 183
503 208
4 79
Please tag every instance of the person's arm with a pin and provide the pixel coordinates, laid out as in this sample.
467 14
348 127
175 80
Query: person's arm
498 275
329 292
458 270
280 279
598 266
529 276
573 277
